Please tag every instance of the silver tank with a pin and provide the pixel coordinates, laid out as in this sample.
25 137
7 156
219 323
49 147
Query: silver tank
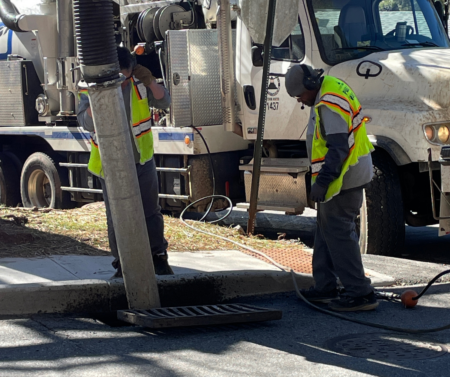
22 44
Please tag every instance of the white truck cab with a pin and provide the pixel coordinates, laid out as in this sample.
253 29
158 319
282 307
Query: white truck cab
395 56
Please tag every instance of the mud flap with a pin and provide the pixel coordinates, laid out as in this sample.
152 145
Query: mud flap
444 224
444 214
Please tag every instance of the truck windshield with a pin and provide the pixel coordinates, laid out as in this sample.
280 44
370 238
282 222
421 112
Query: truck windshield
351 29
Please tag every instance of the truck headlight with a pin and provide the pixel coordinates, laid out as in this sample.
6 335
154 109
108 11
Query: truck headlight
438 133
443 134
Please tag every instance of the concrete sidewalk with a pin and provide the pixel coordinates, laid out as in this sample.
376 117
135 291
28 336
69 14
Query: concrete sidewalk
75 283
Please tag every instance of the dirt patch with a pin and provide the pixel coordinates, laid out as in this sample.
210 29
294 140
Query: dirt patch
9 236
27 233
82 231
18 241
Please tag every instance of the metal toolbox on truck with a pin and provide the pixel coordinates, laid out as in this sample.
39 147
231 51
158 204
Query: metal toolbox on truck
19 88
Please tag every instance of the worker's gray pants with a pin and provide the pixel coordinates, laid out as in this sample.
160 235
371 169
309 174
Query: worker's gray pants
336 245
148 183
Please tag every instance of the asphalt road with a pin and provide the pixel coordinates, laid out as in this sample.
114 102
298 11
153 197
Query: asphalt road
293 346
423 244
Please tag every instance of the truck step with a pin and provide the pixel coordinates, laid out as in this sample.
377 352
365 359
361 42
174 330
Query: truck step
72 165
291 210
99 191
79 189
161 170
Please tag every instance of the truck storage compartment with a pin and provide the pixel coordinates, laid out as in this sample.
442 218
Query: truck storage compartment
194 77
19 88
282 185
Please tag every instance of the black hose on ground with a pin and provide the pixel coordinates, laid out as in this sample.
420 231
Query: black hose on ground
213 177
432 281
9 16
371 324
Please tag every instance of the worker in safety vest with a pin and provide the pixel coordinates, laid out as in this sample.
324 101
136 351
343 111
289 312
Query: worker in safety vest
341 166
140 92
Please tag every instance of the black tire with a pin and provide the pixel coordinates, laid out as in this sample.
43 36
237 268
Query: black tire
382 222
9 182
41 181
18 162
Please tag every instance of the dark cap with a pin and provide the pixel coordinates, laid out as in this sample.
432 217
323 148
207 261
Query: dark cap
294 81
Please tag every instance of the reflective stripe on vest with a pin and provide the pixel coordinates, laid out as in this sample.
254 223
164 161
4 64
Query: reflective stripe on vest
141 124
337 96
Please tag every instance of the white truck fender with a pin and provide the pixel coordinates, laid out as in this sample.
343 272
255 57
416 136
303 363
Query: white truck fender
392 147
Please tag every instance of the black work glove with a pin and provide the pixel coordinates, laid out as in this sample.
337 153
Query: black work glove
318 193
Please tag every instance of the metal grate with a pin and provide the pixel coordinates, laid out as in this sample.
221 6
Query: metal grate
198 315
386 347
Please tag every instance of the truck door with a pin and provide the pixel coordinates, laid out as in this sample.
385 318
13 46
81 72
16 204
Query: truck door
284 118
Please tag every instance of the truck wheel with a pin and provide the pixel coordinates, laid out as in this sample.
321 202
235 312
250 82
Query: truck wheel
9 182
41 181
18 162
382 223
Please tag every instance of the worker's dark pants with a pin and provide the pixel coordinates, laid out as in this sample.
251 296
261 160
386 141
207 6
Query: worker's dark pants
336 245
148 184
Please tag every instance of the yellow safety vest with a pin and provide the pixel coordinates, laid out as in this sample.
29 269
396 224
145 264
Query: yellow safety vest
141 126
337 96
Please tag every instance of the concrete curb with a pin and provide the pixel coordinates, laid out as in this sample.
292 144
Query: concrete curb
78 296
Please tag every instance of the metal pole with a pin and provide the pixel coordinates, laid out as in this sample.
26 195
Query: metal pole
261 119
65 49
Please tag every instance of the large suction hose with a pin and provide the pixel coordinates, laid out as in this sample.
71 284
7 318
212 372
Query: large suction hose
94 31
9 15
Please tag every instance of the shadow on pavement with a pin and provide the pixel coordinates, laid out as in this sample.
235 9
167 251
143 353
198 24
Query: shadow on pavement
293 346
424 244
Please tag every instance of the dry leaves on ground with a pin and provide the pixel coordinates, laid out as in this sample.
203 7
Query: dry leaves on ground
33 232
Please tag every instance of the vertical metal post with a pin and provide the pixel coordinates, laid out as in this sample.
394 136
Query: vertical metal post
261 119
65 49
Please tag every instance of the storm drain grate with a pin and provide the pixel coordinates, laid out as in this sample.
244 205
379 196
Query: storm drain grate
386 346
198 315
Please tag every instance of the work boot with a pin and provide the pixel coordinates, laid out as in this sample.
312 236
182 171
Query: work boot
160 261
118 273
353 304
314 295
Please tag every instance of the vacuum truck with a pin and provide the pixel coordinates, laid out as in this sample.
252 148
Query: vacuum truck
395 55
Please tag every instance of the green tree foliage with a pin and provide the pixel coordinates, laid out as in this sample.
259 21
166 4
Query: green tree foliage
395 5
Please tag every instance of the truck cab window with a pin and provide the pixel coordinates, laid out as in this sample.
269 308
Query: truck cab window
352 29
293 48
398 15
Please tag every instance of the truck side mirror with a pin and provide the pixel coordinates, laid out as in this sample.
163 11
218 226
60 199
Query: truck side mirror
257 56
